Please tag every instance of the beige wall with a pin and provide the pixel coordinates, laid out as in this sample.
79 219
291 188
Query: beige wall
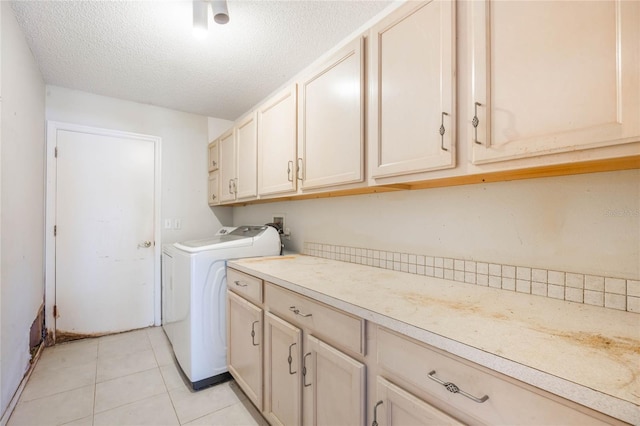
22 201
585 223
184 152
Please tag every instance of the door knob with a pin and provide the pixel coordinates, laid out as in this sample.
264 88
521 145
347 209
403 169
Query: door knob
146 244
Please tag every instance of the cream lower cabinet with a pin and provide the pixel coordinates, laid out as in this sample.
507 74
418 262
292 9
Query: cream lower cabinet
395 407
553 76
309 377
283 372
244 351
316 364
470 393
333 385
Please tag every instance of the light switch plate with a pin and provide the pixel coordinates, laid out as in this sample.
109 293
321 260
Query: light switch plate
177 224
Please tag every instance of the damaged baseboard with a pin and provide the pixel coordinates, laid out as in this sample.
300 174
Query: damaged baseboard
36 345
16 396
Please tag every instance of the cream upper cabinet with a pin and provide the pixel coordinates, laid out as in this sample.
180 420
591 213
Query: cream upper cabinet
331 120
283 372
412 111
277 130
395 406
553 76
238 161
245 343
333 385
213 156
227 147
213 192
247 155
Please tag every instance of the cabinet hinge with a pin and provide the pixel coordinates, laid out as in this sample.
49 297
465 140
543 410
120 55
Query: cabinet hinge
55 230
55 152
55 311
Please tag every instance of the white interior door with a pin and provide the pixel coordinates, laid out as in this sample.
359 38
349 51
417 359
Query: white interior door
104 266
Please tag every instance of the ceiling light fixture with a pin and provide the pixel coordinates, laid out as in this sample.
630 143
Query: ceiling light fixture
201 15
220 11
200 19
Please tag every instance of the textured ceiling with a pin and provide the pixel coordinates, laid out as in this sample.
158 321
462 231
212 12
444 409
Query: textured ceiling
144 51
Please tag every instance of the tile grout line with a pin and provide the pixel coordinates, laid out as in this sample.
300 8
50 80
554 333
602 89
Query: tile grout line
164 381
95 385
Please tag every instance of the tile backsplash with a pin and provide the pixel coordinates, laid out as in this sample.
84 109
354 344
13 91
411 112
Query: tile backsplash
609 292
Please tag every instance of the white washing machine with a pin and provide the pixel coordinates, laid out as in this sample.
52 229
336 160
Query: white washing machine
194 297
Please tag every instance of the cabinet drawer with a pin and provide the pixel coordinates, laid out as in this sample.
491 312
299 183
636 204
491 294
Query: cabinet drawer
509 401
245 285
333 326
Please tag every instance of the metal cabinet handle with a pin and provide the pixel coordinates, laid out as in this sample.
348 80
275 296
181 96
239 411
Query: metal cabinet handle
290 360
375 414
213 162
304 370
145 244
299 169
235 185
289 166
230 187
239 284
253 333
297 312
451 387
442 131
213 196
475 122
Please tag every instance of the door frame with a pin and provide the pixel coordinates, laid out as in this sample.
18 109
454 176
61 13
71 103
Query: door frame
50 215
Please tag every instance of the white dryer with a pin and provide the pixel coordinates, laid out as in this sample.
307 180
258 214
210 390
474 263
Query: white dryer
194 297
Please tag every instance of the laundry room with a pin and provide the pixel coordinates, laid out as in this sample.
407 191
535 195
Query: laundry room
319 211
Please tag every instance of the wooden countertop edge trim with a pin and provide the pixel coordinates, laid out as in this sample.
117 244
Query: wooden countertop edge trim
595 166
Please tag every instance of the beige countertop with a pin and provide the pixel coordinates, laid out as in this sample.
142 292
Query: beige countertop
587 354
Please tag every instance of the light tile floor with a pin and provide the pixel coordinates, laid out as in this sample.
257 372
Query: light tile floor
124 379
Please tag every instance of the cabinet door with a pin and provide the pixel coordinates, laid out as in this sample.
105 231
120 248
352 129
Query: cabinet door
213 156
331 118
334 386
396 406
247 146
412 90
244 351
277 144
213 192
227 167
283 345
553 76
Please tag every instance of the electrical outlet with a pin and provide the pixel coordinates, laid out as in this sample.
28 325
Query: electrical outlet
287 233
278 219
167 224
